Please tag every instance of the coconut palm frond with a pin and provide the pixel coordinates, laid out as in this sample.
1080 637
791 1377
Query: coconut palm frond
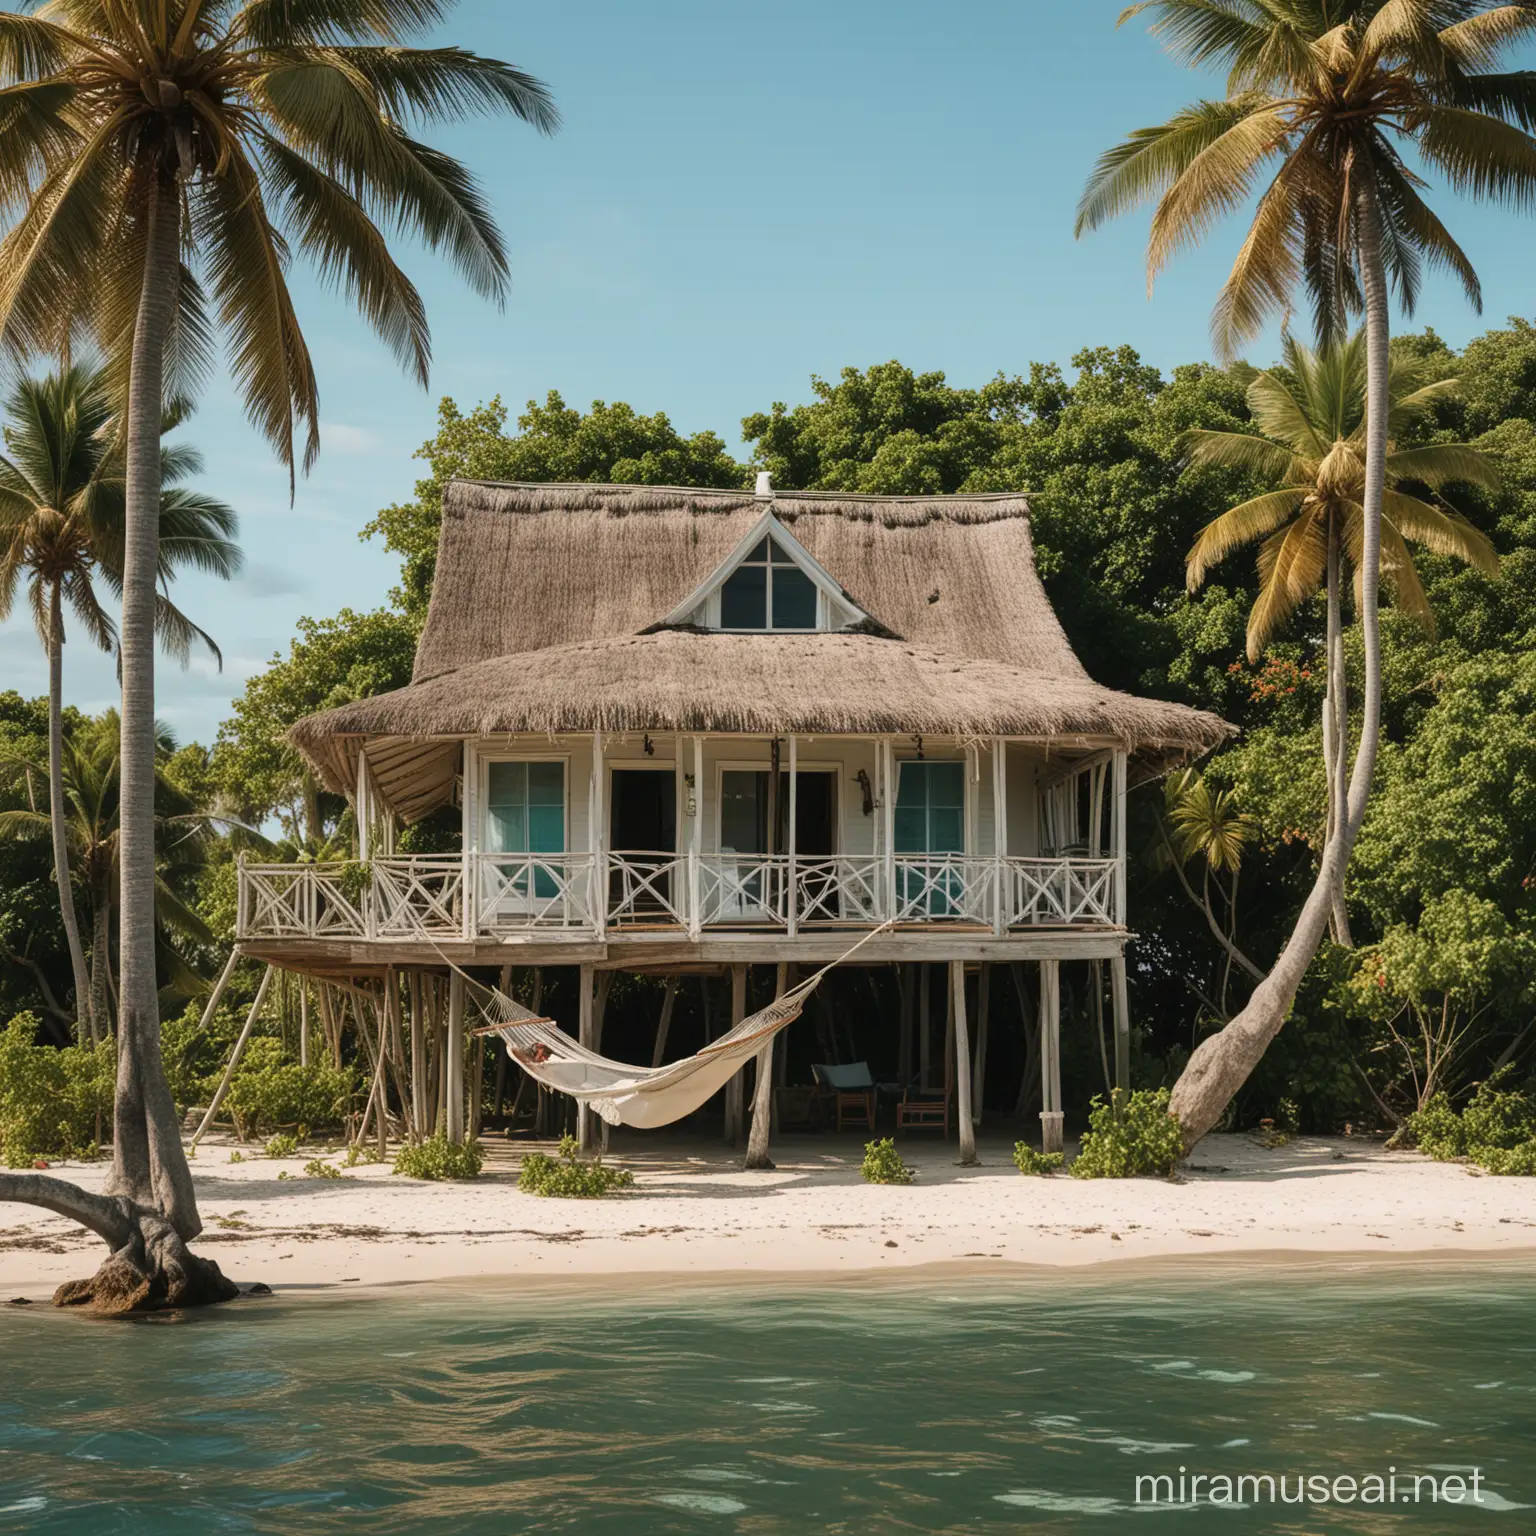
1441 532
1442 464
1236 450
1238 526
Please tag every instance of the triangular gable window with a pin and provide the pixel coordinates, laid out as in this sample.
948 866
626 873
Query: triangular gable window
769 584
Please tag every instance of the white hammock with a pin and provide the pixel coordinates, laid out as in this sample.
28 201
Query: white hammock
644 1097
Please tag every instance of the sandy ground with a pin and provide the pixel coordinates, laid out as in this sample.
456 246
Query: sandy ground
694 1210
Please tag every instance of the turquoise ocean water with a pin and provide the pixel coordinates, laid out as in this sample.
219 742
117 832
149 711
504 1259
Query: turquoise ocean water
933 1405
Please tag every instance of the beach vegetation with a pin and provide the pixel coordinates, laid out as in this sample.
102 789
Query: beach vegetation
318 1168
439 1158
1322 107
1129 1135
53 1102
566 1177
281 1145
1028 1161
883 1164
1496 1129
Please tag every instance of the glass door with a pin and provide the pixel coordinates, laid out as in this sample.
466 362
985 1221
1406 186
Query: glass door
930 827
525 814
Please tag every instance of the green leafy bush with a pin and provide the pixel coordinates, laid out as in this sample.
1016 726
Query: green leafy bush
566 1177
282 1146
1027 1160
268 1091
1130 1135
1497 1129
50 1099
357 1153
318 1168
883 1164
439 1158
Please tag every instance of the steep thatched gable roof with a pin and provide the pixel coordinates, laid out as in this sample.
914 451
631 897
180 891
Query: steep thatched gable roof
549 612
524 567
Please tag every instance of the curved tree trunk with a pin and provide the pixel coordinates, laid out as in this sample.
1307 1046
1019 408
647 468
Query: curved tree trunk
149 1265
1336 723
1222 1064
101 959
149 1166
85 1016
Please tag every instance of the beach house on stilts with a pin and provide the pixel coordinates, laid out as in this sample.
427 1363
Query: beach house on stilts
695 730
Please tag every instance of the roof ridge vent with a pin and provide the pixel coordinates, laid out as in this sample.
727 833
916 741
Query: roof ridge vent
764 491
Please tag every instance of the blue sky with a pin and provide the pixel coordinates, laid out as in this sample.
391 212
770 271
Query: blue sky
742 195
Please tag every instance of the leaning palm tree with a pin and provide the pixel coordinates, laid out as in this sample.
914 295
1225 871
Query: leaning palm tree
61 535
1325 101
164 159
1311 416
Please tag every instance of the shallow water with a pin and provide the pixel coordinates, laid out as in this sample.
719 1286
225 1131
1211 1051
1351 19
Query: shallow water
940 1405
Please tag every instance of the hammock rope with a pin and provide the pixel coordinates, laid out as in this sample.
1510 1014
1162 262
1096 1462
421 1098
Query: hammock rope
624 1094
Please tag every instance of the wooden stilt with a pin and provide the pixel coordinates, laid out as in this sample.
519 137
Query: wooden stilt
924 1027
668 999
906 982
303 1022
949 1026
453 1076
963 1067
983 1024
1096 991
1051 1117
762 1096
584 1026
734 1090
418 1072
234 1057
504 983
1029 1018
1121 1004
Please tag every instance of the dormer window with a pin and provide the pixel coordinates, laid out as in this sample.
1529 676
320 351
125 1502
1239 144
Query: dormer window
768 590
769 584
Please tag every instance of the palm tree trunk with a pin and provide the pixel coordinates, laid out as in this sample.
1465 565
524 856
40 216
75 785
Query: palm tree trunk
101 958
84 1015
148 1163
1336 722
1222 1064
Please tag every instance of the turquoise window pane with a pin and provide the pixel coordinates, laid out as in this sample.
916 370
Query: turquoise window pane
946 784
546 829
546 784
946 830
911 829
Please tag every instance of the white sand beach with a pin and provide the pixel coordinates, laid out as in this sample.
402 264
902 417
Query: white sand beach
694 1210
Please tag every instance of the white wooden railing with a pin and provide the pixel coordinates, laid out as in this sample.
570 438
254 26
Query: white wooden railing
442 896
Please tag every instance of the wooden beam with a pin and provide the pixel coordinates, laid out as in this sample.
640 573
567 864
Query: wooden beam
454 1067
762 1097
664 1024
962 1063
234 1057
586 1012
983 1025
1051 1138
1122 1015
734 1092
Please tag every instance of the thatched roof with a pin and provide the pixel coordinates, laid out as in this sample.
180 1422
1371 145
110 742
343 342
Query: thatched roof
522 567
548 599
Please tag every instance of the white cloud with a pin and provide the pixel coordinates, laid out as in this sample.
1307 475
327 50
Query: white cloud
350 440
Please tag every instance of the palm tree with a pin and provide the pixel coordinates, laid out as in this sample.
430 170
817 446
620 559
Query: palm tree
137 136
61 531
91 806
1324 100
1312 417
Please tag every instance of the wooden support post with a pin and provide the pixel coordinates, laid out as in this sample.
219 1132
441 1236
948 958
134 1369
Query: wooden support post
906 982
668 1001
962 1063
584 1021
949 1028
303 1021
696 844
1122 1014
418 1055
476 1085
234 1057
762 1096
792 841
924 1026
1051 1117
734 1090
453 1075
983 1025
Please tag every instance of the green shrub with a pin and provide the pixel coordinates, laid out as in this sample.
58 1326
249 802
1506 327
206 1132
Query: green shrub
567 1178
282 1146
318 1168
268 1091
883 1164
1497 1129
439 1158
237 1157
1130 1135
357 1153
50 1099
1027 1160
